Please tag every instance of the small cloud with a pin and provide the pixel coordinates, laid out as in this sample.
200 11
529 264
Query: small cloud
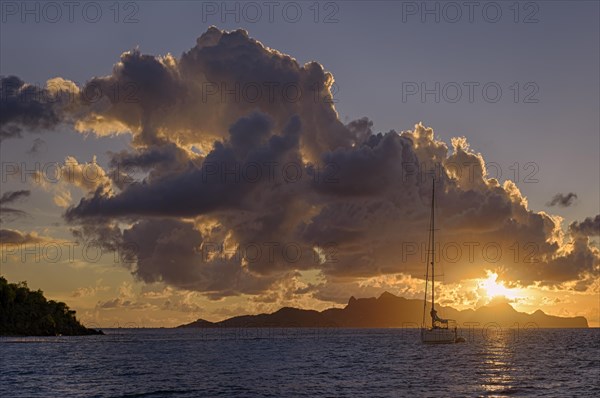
124 303
181 306
38 146
8 213
562 200
14 237
63 199
13 196
89 291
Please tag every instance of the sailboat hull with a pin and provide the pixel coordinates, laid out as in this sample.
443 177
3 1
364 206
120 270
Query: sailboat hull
438 336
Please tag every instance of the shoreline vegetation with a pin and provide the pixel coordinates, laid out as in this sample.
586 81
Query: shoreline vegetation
25 312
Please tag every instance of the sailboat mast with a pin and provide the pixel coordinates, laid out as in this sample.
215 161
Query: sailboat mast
433 245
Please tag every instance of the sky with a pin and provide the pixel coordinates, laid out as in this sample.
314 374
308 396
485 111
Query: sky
163 162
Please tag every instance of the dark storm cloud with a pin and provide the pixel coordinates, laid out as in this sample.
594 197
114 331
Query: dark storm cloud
194 190
157 161
562 200
588 227
146 158
148 90
368 169
170 251
25 106
107 235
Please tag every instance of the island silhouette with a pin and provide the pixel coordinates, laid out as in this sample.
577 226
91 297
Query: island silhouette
388 310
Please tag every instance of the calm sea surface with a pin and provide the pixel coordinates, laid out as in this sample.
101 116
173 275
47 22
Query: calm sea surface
301 363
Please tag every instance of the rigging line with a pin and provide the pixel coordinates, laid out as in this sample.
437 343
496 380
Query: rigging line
440 255
432 247
426 282
430 254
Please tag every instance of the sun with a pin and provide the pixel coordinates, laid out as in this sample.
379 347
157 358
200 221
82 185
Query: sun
493 289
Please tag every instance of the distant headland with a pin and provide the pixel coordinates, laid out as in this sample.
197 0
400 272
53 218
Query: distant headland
389 310
24 312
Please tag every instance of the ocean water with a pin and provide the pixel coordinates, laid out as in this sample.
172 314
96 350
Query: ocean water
302 363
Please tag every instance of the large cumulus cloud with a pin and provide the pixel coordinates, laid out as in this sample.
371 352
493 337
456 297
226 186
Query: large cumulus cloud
224 177
195 98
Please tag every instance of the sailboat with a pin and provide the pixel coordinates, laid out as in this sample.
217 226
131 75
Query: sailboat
441 331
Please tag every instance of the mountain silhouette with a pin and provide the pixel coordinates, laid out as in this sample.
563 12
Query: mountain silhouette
389 310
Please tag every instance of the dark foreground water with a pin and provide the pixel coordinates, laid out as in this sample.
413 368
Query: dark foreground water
301 363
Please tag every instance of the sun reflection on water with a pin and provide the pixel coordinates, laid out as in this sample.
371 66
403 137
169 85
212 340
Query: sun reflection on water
497 367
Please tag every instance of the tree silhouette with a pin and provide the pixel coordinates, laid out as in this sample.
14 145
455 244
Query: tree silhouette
25 312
